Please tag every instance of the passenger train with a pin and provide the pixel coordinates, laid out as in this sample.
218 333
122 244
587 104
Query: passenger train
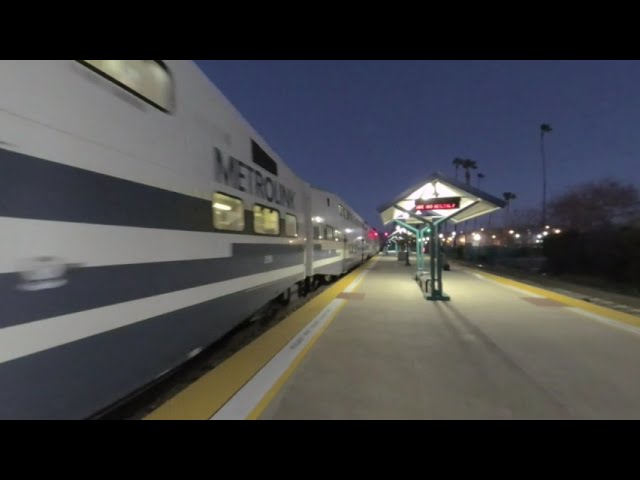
141 219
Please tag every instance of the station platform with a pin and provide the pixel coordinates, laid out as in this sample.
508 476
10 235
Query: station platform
372 347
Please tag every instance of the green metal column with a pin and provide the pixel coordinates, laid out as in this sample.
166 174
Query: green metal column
418 253
415 231
436 266
432 266
423 235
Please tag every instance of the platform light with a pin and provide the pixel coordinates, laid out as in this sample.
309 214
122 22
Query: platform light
545 233
517 235
221 206
557 230
429 190
349 230
482 229
318 219
511 232
477 237
539 235
493 236
441 235
547 227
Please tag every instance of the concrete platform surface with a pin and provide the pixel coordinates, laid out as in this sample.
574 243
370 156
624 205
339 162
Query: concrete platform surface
492 352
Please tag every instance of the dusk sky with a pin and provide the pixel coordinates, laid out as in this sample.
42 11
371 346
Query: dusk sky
367 130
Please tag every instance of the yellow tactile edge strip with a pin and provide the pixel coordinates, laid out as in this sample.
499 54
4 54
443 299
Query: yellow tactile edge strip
573 302
203 398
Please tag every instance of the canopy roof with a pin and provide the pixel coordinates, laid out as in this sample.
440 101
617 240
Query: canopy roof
437 197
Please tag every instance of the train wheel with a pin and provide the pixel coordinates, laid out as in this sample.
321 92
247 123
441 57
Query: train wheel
285 297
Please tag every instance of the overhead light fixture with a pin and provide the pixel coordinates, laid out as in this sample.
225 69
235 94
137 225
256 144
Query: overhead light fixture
429 191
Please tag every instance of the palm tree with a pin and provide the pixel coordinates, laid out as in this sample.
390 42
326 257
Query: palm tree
457 162
468 165
508 196
544 128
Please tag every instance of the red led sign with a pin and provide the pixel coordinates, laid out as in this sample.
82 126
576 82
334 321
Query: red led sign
448 203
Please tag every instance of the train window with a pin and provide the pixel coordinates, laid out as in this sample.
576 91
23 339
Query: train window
329 233
290 225
338 235
262 158
266 220
319 232
228 212
340 210
328 203
147 79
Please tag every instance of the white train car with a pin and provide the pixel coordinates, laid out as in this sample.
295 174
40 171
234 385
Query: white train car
372 242
339 235
141 218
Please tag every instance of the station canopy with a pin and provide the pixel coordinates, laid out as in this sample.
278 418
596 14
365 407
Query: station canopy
437 198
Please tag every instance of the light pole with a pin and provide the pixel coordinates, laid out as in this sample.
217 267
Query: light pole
544 128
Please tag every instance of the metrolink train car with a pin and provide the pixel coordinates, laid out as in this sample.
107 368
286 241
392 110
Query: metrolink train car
372 243
141 219
341 238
